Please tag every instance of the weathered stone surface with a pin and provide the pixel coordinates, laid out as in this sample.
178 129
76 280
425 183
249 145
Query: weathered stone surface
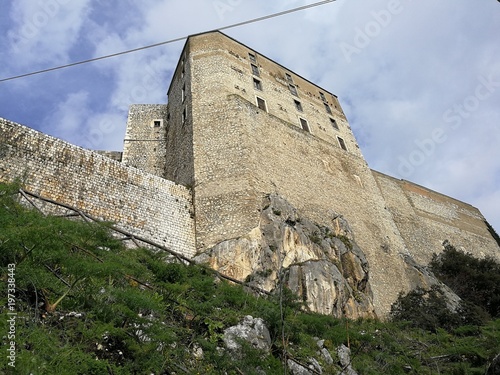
344 354
322 265
252 330
297 369
421 277
327 357
141 203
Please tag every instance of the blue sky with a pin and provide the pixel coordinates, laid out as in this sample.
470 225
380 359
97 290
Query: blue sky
419 80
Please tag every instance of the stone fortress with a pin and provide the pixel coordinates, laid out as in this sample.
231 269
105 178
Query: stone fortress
255 170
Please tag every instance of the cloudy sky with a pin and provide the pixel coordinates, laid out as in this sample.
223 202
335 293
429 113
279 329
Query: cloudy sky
418 80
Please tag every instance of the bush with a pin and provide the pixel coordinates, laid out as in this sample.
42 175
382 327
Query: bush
474 280
427 309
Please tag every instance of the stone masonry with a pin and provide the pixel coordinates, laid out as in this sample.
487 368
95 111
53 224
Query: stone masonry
239 127
141 203
242 126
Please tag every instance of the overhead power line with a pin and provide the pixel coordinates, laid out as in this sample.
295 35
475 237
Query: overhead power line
254 20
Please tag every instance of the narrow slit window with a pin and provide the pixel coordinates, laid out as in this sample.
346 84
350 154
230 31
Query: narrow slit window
327 108
184 115
334 124
293 89
298 105
304 125
261 103
257 84
255 70
342 144
323 97
183 94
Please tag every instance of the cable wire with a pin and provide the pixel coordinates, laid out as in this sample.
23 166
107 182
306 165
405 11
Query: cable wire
254 20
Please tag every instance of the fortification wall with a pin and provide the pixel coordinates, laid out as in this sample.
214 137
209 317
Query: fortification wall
146 205
242 153
259 154
145 139
426 219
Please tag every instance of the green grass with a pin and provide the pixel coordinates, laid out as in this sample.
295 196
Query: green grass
141 315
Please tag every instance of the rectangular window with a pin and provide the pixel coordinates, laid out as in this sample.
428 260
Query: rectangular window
334 123
255 70
298 105
304 124
289 78
183 93
252 57
327 108
157 123
323 97
342 143
261 103
257 84
183 68
293 89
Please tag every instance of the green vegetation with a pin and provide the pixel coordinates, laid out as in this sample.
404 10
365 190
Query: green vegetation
474 280
87 305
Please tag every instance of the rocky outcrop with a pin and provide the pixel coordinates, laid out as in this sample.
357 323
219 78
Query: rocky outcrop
421 277
323 265
251 330
344 354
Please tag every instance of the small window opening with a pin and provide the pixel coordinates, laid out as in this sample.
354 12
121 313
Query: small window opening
289 78
342 144
255 70
334 123
323 97
305 125
298 105
184 115
156 123
257 84
327 108
183 94
293 89
252 57
261 103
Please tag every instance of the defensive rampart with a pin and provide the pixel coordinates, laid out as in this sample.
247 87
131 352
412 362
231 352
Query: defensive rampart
145 205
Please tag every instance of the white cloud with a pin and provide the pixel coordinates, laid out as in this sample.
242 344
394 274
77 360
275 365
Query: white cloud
417 62
45 31
68 117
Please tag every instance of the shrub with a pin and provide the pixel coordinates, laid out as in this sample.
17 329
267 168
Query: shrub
474 280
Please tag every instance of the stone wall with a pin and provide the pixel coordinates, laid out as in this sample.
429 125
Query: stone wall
144 145
426 219
242 152
146 205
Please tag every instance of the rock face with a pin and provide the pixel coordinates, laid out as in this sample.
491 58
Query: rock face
323 265
344 354
254 331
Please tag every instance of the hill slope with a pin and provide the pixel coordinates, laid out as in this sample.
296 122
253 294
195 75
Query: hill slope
81 303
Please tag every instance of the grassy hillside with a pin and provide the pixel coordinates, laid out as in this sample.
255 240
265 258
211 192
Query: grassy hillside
83 304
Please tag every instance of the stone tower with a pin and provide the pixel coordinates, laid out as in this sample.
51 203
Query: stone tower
239 126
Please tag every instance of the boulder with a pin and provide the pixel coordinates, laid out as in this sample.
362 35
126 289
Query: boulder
251 330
